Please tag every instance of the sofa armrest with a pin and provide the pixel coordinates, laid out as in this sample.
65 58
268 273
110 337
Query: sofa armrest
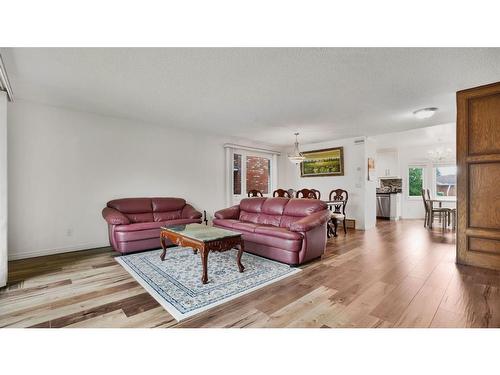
311 221
189 212
114 217
228 213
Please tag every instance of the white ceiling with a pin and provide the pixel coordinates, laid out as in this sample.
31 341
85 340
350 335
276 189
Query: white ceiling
263 94
442 135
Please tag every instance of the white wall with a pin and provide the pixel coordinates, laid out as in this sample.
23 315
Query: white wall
354 179
3 188
65 165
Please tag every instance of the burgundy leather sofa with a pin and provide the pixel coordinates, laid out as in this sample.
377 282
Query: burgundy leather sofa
291 231
134 223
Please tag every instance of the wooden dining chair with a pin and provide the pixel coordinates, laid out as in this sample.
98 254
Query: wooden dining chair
444 214
281 193
255 193
426 207
338 210
306 193
318 193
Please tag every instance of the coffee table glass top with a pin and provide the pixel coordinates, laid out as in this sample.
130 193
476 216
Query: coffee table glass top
201 232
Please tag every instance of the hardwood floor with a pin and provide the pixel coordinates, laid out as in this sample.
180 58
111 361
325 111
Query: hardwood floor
397 275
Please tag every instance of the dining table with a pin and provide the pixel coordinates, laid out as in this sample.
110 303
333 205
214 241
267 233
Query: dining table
451 214
440 201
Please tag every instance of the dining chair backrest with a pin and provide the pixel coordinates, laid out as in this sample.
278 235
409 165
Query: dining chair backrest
318 193
255 193
428 192
281 193
339 195
425 200
306 193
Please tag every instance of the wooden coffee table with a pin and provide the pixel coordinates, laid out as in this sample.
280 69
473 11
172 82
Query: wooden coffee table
203 238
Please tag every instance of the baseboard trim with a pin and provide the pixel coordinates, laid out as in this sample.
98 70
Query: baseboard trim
59 250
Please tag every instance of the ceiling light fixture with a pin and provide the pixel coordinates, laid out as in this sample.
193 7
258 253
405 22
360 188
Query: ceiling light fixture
440 154
297 156
425 112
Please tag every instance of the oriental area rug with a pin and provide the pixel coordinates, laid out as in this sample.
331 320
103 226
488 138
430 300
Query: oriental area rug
176 282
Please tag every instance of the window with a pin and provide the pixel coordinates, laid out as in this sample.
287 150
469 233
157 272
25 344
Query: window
415 181
237 174
258 177
446 181
249 169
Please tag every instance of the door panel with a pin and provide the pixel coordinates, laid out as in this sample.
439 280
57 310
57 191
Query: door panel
484 114
478 158
484 195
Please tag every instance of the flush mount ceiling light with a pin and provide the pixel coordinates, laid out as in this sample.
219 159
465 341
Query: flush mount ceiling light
297 156
425 112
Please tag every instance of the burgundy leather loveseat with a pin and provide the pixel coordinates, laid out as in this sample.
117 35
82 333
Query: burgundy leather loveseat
134 223
291 231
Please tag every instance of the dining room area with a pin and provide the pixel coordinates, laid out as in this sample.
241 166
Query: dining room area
377 180
421 168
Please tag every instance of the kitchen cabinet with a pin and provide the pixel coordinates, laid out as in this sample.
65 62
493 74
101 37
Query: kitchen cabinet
387 163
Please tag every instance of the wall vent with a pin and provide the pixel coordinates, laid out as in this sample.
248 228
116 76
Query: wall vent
360 141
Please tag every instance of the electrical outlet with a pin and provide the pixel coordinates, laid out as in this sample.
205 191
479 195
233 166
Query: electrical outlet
69 232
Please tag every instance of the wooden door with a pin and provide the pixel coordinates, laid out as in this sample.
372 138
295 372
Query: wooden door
478 159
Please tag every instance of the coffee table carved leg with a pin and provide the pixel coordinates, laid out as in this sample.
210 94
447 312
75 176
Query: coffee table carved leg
164 247
240 253
204 261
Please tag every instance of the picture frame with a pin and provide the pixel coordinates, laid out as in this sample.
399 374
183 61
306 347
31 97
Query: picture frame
371 168
324 162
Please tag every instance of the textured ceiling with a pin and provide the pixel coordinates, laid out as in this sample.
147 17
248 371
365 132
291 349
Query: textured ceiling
263 94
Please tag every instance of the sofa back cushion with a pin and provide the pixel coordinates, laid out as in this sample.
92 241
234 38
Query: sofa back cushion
137 210
250 209
296 209
279 212
143 210
167 208
271 211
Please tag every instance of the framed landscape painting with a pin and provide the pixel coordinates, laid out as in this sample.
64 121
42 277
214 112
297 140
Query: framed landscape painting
326 162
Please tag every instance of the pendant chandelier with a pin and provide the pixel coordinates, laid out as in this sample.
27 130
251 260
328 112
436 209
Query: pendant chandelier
296 157
440 154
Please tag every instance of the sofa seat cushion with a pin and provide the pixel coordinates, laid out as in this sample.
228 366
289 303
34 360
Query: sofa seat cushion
138 235
247 227
226 223
168 215
336 215
180 222
152 225
273 231
277 242
138 226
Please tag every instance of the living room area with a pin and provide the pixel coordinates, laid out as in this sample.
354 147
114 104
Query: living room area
266 187
128 209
